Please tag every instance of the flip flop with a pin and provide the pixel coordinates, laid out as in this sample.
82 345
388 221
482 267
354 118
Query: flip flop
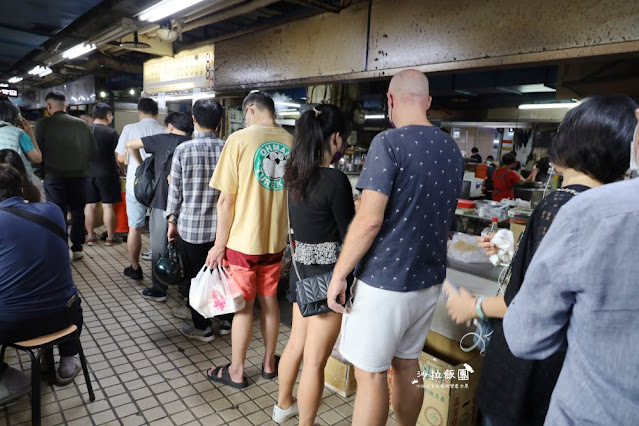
9 386
271 376
225 379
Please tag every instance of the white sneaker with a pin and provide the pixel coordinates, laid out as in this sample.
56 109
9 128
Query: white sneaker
281 415
181 312
147 255
197 334
77 255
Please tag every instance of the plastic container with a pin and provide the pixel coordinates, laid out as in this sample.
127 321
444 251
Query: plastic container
466 204
475 186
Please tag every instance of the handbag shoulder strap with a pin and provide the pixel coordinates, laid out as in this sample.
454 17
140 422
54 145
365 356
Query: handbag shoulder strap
36 218
290 238
168 155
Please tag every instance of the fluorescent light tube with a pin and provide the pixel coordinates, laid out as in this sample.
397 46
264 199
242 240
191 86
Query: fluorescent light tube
289 114
165 8
556 105
288 104
374 117
14 80
78 50
40 71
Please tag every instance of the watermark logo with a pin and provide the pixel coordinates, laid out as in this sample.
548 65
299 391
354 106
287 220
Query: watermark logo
439 378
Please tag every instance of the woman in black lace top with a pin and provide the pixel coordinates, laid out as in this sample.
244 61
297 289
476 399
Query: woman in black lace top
592 148
320 209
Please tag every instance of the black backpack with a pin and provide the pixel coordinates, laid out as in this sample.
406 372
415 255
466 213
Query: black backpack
145 180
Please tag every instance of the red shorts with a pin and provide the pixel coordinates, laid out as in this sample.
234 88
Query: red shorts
255 274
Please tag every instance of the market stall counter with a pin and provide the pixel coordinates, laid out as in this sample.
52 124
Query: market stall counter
478 278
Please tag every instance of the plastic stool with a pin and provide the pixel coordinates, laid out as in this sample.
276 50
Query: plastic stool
34 347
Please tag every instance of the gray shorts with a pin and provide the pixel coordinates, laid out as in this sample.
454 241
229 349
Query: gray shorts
380 325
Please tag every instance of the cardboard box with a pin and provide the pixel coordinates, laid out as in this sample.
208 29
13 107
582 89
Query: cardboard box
517 230
449 398
339 376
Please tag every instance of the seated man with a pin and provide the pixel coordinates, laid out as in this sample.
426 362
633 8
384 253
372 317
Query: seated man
37 295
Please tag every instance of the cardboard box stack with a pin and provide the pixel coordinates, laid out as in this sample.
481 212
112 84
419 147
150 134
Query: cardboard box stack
450 378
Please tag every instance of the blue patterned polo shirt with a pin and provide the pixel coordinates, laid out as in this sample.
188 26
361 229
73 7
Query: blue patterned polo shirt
421 169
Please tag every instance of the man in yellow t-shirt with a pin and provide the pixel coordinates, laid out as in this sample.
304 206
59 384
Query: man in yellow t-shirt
251 229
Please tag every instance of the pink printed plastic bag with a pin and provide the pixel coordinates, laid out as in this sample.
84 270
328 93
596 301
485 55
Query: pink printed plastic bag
214 293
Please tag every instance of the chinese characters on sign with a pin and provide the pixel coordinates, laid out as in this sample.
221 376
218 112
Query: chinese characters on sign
437 379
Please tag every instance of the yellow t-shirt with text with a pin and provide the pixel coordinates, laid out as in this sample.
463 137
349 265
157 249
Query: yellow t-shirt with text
252 168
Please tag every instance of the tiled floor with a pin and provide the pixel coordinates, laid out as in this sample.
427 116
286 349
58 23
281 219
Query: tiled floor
144 371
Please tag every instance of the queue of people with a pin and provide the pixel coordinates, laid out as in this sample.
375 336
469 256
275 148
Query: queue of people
235 203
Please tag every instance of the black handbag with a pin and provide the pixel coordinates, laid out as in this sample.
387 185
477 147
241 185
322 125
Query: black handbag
311 292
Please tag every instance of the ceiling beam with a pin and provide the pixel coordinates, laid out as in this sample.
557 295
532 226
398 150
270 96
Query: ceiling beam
23 30
231 13
305 13
20 44
317 4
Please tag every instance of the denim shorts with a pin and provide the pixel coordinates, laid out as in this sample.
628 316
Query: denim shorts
135 211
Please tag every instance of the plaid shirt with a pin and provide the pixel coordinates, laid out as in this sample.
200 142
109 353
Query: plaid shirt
191 199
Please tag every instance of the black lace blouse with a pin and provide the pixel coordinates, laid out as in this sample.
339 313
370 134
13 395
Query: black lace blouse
511 387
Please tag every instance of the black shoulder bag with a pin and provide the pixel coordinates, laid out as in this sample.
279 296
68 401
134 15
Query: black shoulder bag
36 218
311 292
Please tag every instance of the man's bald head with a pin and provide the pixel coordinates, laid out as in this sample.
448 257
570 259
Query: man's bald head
410 83
409 98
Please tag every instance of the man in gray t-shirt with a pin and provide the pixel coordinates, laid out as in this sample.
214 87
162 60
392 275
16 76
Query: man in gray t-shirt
397 246
136 212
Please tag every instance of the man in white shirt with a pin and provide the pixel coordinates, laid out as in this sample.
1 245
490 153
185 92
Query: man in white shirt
136 212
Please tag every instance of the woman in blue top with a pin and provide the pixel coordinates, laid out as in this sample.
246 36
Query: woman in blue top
16 134
320 209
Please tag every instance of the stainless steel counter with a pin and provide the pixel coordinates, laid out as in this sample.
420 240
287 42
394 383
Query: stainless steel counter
478 278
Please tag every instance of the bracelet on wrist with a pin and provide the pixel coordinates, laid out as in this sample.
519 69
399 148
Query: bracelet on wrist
480 313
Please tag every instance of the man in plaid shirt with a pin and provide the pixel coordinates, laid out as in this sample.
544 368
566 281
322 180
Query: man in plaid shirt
192 207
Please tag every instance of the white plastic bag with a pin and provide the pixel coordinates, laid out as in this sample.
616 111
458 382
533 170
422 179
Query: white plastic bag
214 293
463 247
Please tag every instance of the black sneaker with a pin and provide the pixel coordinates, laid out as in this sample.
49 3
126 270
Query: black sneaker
135 274
149 294
225 327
